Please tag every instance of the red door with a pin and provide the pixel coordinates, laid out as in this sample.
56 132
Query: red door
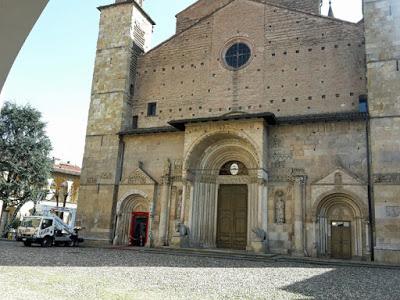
139 229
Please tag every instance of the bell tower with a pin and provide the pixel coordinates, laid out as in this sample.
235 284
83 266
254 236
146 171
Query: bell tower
382 38
124 34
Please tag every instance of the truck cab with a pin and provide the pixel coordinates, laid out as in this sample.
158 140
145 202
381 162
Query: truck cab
47 231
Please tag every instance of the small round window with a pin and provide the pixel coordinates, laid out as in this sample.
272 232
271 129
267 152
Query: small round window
237 55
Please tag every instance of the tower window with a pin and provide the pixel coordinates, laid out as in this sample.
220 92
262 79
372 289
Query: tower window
363 104
151 109
134 122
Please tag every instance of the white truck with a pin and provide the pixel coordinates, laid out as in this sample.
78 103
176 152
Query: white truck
47 231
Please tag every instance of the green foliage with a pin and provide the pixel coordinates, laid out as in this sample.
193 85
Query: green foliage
24 154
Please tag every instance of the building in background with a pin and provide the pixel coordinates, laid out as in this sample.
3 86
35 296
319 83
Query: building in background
248 129
17 18
63 191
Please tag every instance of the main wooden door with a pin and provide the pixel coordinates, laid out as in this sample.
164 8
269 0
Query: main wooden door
232 217
341 239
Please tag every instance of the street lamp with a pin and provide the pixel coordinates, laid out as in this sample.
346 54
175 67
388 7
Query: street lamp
64 190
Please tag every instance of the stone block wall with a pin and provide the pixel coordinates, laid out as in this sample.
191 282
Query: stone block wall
382 30
301 64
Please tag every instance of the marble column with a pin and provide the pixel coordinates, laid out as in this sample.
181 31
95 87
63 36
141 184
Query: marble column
164 200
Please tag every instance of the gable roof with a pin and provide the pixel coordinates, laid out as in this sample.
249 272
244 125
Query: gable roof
347 178
266 3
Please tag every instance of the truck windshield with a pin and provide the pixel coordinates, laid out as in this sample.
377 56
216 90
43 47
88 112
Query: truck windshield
30 222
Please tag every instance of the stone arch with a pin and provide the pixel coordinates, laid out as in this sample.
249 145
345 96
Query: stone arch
203 153
133 201
203 161
353 200
340 206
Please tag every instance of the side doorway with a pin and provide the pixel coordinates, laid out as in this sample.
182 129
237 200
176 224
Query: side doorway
139 229
341 239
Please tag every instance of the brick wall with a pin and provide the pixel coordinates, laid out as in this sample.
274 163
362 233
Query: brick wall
301 64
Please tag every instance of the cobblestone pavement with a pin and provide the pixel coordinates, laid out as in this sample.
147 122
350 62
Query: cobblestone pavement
92 273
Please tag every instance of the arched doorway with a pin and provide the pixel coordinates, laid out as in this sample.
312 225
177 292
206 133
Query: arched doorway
227 192
132 226
232 209
341 230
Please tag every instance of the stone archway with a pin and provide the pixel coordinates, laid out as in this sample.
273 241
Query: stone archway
128 205
203 163
341 216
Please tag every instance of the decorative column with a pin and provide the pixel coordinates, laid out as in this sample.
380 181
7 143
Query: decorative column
299 186
164 200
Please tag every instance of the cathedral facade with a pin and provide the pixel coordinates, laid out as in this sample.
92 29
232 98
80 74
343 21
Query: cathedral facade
261 125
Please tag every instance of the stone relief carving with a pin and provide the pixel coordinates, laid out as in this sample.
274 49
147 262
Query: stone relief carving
387 178
280 207
167 168
138 177
178 167
338 179
106 175
166 172
393 211
92 180
278 159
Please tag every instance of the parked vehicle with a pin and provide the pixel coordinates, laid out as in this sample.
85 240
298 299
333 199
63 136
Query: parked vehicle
47 231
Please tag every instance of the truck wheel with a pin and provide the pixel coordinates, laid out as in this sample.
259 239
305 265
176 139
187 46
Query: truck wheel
47 242
27 244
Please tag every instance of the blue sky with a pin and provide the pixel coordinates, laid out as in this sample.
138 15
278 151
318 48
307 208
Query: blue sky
53 71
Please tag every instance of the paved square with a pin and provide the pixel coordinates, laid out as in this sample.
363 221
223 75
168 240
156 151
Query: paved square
89 273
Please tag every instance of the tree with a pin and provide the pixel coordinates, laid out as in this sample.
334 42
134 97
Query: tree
24 155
